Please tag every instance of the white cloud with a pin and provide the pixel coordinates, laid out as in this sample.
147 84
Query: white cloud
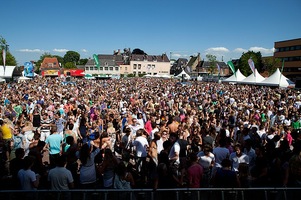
262 50
60 50
240 50
31 50
84 50
217 49
176 55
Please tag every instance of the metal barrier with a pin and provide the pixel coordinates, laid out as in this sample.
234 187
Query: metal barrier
160 194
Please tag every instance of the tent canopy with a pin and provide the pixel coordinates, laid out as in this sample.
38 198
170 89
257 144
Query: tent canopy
253 79
235 78
8 71
186 76
277 79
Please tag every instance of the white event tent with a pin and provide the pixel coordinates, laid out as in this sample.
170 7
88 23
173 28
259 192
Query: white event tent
235 77
186 76
277 79
252 79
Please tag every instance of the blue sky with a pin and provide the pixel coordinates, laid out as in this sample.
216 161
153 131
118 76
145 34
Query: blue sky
224 28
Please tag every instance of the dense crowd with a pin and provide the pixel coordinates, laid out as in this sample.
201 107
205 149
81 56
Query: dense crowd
148 133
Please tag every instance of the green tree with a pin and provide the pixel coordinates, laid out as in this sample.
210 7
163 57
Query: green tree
212 60
44 55
69 65
138 51
243 64
10 59
60 59
270 64
83 61
71 56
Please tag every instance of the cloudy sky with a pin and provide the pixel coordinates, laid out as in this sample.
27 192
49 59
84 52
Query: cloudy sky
179 28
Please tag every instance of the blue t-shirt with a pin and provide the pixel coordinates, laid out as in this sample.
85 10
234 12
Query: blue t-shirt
54 141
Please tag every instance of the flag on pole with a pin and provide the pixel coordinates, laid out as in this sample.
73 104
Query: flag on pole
218 68
252 65
231 66
281 71
4 58
282 66
96 60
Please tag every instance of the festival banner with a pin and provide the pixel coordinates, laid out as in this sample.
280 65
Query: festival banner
218 68
96 60
252 65
28 69
282 66
4 58
231 66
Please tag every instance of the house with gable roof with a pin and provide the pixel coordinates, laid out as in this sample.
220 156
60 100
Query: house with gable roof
51 67
149 64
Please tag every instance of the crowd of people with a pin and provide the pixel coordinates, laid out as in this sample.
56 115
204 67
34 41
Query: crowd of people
148 133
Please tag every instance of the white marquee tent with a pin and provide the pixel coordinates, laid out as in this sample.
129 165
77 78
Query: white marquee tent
251 79
277 79
235 78
8 73
186 76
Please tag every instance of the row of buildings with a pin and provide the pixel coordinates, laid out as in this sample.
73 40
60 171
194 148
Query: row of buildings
125 63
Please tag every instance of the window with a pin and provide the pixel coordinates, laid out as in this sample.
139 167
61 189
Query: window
149 66
111 68
54 63
87 68
91 68
101 68
139 66
135 66
116 68
95 68
106 64
153 66
126 68
106 68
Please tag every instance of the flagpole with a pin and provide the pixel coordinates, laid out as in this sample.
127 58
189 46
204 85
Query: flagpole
281 71
4 52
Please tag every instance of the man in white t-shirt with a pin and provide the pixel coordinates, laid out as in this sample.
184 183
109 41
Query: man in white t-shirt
141 145
174 153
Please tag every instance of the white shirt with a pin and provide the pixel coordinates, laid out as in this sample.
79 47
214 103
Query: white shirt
236 160
141 145
206 160
175 149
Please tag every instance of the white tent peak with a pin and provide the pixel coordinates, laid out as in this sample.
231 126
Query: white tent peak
235 78
277 79
251 79
186 76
